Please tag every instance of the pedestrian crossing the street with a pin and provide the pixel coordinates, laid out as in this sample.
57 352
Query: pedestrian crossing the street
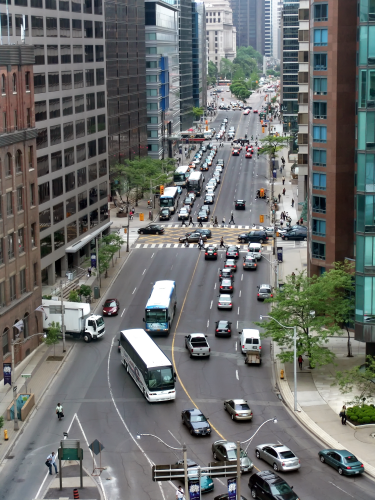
243 248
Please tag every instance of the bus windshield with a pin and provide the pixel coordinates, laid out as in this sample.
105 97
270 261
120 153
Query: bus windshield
156 315
166 202
179 177
160 378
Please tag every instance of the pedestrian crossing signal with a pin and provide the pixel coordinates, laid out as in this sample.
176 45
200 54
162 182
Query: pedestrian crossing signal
161 190
261 218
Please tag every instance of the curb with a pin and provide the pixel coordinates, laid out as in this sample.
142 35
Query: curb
20 432
307 422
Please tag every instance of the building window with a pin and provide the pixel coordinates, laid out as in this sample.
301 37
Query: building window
320 157
101 123
6 349
89 53
19 199
55 134
320 61
26 317
53 82
102 145
51 26
93 174
3 84
67 104
99 76
100 98
21 241
320 37
35 274
52 54
64 27
14 83
318 227
68 157
70 182
54 108
37 27
8 165
33 234
51 4
102 168
81 152
91 147
82 200
68 131
10 246
71 231
71 207
94 218
9 198
39 54
44 219
31 157
320 110
76 6
56 161
90 102
88 29
90 78
19 161
42 139
319 133
42 165
98 7
78 79
43 191
80 128
32 195
1 250
98 29
77 28
27 80
57 187
318 250
99 53
64 5
58 213
45 246
321 12
320 86
91 125
59 238
77 54
81 177
39 83
65 51
319 181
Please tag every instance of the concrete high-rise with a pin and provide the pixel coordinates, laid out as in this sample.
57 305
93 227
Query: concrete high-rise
249 20
220 31
186 63
199 54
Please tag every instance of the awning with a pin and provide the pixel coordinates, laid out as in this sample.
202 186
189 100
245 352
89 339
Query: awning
86 239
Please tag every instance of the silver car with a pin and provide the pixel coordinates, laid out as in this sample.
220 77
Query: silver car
249 262
238 409
279 456
227 451
264 292
224 302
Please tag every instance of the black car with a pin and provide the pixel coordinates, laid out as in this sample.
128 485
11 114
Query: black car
295 235
202 216
269 486
210 253
189 200
223 328
151 229
204 167
233 252
253 237
164 214
196 422
226 273
226 286
225 496
206 232
240 205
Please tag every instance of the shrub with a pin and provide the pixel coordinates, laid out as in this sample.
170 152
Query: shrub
1 421
360 421
354 418
366 420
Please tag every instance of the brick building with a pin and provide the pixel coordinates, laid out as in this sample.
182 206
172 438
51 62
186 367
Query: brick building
20 278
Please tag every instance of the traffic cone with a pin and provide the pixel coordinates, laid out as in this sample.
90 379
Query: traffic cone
75 494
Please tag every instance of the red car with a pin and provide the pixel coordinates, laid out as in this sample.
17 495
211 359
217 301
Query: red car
255 111
248 155
111 307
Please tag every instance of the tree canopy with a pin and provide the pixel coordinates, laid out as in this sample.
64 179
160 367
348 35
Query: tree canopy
197 112
271 144
212 73
316 306
239 89
247 60
226 69
360 379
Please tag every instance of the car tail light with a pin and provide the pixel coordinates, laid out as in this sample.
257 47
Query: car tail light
251 413
192 350
206 253
258 294
209 349
243 347
256 266
231 287
228 329
215 253
217 329
230 304
260 347
361 465
283 464
237 415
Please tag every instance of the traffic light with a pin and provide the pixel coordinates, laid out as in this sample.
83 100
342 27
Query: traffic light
161 190
261 218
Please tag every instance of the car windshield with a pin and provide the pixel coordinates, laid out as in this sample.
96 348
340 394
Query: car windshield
241 406
160 378
224 298
156 315
280 489
110 303
350 460
232 454
223 324
198 418
287 454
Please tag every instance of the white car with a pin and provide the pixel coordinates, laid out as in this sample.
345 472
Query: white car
218 168
183 214
246 112
210 192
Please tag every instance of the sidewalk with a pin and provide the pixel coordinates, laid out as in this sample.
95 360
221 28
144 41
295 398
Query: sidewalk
319 403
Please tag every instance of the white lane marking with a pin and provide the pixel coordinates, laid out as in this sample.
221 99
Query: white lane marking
220 481
241 277
211 304
333 484
237 324
122 314
237 377
172 267
143 272
134 290
152 255
175 437
135 441
215 287
208 322
240 294
235 346
238 311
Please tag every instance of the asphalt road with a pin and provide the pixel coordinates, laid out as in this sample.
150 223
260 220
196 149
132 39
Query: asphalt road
95 387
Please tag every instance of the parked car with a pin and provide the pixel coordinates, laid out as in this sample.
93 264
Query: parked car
151 229
295 235
223 450
253 236
269 486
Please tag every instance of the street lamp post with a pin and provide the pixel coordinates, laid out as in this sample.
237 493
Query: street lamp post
183 449
276 263
294 328
14 387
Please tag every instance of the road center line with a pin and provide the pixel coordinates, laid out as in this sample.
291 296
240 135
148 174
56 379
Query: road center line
237 377
143 272
134 290
211 304
122 314
338 487
174 437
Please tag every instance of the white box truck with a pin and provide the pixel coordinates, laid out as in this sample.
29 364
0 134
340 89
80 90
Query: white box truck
78 320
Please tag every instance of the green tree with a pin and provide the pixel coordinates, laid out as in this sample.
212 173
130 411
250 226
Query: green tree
226 69
1 422
74 296
85 291
212 73
198 112
113 243
315 306
271 144
360 379
52 335
239 89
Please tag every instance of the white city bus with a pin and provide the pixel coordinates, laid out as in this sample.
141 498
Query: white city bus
161 307
147 364
181 175
170 199
195 183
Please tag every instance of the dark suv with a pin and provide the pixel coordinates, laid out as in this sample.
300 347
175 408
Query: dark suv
210 253
253 237
269 486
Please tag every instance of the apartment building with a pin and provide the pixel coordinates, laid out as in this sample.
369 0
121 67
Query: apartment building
220 31
162 78
20 279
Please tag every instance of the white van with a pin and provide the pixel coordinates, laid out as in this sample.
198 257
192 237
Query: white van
250 341
256 250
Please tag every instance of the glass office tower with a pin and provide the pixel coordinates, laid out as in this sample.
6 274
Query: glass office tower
199 54
186 64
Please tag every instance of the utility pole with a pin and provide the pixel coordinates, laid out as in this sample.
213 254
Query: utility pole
238 488
14 388
187 496
62 314
127 232
97 260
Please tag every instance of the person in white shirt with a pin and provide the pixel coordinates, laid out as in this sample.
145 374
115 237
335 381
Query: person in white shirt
180 493
59 411
51 459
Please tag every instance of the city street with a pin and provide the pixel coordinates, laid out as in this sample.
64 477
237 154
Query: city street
109 407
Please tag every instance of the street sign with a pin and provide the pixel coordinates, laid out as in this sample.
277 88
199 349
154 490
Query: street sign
25 375
176 471
96 447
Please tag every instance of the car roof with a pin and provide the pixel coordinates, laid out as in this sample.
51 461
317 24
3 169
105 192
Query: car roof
270 476
197 335
194 411
239 401
264 285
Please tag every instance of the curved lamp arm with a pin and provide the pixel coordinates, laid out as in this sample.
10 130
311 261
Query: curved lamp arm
139 435
274 420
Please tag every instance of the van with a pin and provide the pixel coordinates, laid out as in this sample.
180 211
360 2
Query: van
250 341
256 250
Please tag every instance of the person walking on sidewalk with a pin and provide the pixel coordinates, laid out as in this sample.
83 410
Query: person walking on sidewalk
216 222
300 361
51 462
231 220
292 202
222 245
343 415
283 179
59 411
279 196
284 191
180 493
